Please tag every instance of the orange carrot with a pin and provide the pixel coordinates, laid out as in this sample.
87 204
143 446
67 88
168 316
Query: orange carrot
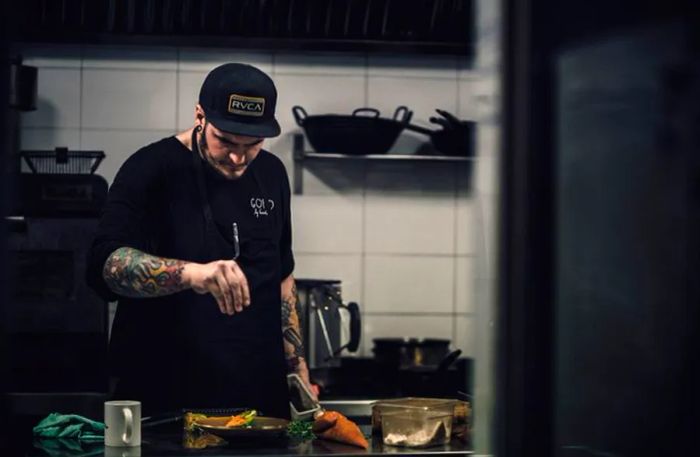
235 421
332 425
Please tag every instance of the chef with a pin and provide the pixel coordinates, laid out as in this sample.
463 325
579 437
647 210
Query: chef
195 242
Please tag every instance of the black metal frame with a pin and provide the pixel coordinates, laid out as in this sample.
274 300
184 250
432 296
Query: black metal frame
340 26
525 318
4 205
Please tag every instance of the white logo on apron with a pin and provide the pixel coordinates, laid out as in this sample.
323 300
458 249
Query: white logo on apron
261 206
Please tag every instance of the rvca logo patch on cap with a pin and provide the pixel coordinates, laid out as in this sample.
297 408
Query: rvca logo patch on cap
246 106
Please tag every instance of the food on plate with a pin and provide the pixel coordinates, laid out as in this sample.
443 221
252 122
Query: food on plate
332 425
191 420
242 419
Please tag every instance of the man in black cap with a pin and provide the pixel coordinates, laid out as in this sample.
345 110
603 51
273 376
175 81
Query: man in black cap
195 242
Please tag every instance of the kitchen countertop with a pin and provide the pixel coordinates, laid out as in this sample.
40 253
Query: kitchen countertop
166 440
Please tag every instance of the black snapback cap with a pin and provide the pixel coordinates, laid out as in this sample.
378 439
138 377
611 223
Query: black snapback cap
240 99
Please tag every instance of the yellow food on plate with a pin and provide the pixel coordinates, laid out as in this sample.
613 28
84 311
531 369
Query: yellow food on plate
191 420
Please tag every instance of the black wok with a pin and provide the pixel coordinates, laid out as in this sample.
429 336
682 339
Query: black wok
363 132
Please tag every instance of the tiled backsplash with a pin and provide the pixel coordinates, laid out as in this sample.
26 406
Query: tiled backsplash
408 240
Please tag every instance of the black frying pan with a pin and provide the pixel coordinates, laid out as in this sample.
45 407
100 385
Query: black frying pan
455 138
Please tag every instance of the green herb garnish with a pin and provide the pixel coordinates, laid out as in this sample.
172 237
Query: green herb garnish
300 429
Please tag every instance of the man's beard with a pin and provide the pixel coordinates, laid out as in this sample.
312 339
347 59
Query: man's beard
204 152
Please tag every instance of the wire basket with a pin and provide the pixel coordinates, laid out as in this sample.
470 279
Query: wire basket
62 161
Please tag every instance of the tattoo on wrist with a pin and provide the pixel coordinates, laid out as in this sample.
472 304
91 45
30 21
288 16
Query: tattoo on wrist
134 273
291 330
293 364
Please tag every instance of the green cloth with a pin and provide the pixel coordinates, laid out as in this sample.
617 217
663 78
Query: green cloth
57 425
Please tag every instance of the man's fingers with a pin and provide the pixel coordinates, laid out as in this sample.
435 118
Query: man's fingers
233 282
225 293
212 287
216 293
243 281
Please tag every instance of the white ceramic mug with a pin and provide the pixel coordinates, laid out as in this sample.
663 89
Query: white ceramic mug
111 451
123 423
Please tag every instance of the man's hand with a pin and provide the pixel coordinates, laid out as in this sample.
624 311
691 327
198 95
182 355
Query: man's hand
224 279
291 331
303 372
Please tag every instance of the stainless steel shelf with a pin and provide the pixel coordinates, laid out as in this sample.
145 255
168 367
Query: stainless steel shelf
301 155
389 157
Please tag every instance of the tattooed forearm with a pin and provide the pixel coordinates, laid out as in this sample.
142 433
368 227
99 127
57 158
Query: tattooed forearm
134 273
291 329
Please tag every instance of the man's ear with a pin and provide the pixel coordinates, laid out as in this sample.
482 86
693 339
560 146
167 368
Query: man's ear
198 115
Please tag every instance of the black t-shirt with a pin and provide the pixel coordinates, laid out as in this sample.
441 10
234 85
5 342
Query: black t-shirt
140 194
154 205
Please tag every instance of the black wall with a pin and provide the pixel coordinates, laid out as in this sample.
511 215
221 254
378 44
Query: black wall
600 241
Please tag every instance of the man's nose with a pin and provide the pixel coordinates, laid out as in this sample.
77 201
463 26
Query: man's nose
237 157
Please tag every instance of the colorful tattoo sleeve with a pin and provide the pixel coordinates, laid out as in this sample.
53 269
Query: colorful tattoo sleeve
133 273
291 329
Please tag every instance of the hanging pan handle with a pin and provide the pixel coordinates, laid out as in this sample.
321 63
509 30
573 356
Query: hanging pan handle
403 115
373 111
299 115
419 129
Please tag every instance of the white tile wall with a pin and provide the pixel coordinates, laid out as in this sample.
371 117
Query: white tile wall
347 267
486 174
188 85
42 139
468 107
51 56
412 66
204 60
327 224
466 279
58 99
132 57
320 64
465 335
487 205
397 224
408 240
317 94
409 284
128 99
421 95
488 139
468 224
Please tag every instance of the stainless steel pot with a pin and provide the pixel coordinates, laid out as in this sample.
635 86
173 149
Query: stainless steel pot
406 353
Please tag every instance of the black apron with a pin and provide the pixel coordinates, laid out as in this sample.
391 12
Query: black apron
232 361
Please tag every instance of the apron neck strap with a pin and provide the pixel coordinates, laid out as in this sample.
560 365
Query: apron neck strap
199 171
